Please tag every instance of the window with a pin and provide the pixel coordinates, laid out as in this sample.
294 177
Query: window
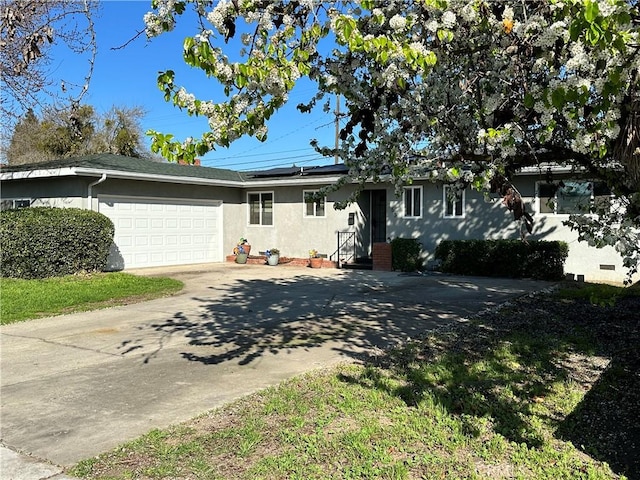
313 208
413 202
11 204
260 208
453 202
571 196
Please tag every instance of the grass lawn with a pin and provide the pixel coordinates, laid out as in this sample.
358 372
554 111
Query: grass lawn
28 299
545 387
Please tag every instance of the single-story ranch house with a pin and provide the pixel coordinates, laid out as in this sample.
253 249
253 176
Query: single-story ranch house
171 214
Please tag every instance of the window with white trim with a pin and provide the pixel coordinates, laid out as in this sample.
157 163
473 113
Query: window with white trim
14 203
413 202
260 208
571 196
313 207
453 200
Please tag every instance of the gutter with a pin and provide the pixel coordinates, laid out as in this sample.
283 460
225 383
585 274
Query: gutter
91 185
159 177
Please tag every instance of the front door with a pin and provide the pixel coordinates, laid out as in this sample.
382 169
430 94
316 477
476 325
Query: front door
378 216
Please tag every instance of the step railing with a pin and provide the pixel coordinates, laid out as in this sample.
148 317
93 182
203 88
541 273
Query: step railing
346 251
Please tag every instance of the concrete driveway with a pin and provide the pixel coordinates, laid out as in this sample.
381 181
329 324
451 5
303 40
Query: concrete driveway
74 386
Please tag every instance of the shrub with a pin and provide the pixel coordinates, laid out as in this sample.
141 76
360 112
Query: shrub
542 260
406 254
47 242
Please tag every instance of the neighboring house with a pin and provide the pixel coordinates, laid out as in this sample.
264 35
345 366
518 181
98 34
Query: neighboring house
169 214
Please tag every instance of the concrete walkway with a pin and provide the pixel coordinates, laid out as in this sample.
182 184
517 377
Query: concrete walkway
74 386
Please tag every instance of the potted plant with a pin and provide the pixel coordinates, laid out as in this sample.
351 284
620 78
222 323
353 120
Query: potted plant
273 256
241 250
315 261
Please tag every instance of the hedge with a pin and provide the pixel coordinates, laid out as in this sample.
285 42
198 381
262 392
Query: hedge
405 254
48 242
541 260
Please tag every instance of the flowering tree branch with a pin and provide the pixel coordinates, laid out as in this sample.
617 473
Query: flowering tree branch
29 28
458 91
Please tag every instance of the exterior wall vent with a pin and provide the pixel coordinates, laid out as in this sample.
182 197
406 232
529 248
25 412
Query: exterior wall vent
607 267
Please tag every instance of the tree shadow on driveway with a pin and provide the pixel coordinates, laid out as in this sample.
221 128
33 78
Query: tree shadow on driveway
355 315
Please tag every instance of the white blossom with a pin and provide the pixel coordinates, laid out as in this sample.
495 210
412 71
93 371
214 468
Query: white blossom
449 19
397 22
468 12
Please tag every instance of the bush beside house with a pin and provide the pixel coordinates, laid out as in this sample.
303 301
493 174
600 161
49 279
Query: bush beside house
406 254
542 260
47 242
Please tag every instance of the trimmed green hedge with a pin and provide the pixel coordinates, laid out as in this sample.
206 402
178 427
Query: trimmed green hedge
541 260
49 242
405 254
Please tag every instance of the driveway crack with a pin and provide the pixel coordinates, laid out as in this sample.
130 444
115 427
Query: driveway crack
62 344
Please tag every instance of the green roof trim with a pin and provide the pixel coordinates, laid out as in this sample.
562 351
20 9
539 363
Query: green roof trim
108 161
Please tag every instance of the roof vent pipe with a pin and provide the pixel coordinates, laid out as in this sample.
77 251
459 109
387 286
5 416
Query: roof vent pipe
91 185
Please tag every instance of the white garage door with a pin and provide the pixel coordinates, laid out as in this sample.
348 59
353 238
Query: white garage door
152 232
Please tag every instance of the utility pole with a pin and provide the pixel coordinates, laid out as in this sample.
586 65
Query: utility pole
337 112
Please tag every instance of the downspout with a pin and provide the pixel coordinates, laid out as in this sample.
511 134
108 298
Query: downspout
91 185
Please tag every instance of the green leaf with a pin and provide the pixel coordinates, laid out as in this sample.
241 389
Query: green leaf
572 95
575 29
558 98
591 11
593 34
529 101
445 35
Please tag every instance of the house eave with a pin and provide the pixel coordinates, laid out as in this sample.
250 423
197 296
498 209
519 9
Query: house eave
41 173
159 178
119 174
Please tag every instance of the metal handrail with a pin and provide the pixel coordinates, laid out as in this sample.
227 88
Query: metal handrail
346 242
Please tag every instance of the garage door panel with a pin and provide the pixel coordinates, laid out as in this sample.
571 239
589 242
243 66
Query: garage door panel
157 232
125 241
157 240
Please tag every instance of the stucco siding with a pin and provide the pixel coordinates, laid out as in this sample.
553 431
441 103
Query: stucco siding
59 193
293 233
490 220
378 215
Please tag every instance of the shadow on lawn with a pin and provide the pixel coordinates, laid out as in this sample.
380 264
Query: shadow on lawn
505 364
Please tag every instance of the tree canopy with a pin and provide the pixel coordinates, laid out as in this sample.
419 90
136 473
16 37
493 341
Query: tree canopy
29 28
465 92
76 131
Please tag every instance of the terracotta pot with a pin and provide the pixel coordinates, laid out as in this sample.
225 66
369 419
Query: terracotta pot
315 262
247 248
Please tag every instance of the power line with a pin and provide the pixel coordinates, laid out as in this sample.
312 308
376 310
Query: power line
279 165
261 154
300 158
240 154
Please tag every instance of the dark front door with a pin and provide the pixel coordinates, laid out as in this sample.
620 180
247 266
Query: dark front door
378 216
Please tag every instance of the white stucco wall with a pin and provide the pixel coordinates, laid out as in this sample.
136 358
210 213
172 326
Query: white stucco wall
491 220
292 232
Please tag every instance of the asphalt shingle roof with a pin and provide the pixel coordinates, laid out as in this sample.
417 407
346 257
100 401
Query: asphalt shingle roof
108 161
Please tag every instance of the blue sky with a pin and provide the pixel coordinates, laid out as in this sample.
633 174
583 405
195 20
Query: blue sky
126 77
